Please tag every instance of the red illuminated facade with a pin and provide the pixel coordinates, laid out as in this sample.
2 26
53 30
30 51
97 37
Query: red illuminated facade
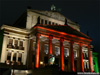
50 33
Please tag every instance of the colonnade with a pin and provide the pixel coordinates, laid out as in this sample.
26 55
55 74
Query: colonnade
62 53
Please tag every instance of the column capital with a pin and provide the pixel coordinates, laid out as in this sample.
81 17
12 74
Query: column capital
38 34
61 39
50 36
89 46
80 43
71 40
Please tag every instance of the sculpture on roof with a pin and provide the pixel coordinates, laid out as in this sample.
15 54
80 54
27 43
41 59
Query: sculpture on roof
53 8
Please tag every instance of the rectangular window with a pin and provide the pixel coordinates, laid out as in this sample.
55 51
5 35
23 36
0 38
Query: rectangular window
83 55
49 22
21 45
56 24
34 46
45 21
9 56
57 51
52 23
19 57
66 52
41 21
75 53
86 54
85 64
14 57
46 49
88 64
10 44
16 44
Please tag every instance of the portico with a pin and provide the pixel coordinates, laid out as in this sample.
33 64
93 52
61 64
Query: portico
67 56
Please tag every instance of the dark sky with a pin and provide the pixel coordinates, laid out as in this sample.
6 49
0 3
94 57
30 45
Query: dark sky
85 12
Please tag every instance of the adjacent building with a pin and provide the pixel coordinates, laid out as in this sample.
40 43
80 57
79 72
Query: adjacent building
95 62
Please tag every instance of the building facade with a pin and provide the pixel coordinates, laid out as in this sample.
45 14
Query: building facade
38 34
95 62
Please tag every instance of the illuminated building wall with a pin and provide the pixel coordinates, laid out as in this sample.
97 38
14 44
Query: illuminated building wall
44 33
1 40
14 46
95 62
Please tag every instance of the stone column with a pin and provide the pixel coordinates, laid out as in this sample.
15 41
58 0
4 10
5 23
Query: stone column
62 54
37 50
4 52
18 42
82 63
92 61
50 45
90 58
23 58
16 56
12 53
72 56
26 49
13 42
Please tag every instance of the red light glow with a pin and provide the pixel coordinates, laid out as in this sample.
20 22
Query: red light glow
50 45
62 54
73 67
37 52
90 58
82 57
63 33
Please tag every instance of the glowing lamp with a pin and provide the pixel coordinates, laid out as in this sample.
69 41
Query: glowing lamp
41 62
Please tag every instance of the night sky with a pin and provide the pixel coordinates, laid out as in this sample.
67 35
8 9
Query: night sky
85 12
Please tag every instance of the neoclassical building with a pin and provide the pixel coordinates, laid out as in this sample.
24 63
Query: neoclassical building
38 34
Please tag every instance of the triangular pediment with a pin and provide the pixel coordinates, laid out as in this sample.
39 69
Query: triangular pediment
52 14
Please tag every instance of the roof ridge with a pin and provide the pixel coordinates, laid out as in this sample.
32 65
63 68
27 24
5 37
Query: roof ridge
66 26
79 31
